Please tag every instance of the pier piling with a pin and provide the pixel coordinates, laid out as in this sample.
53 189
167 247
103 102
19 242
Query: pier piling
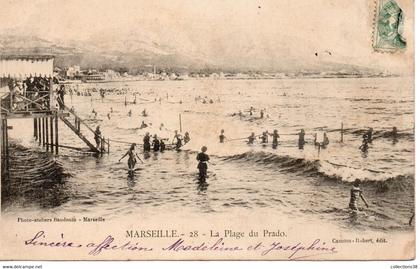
6 143
46 134
39 132
180 123
35 129
52 134
43 132
56 133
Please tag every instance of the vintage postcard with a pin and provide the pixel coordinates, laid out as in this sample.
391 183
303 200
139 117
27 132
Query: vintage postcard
207 130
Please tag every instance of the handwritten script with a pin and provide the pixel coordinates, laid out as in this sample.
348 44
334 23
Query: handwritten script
293 251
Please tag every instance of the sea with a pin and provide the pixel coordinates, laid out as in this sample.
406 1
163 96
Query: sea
307 183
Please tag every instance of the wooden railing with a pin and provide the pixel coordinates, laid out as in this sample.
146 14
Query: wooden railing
29 102
78 122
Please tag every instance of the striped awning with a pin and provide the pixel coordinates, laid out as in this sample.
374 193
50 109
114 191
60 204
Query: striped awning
23 66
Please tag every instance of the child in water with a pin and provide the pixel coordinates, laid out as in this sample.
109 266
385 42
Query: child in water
202 159
356 192
131 157
251 139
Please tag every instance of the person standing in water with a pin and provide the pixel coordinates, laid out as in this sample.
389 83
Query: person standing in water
131 157
61 93
264 137
222 136
202 159
365 144
187 138
143 125
146 142
325 141
162 145
301 141
156 143
251 139
98 136
394 135
369 135
276 136
356 192
178 138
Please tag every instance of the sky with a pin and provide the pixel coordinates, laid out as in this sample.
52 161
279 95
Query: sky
246 32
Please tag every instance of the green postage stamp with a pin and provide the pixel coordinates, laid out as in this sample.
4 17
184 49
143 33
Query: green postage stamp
388 29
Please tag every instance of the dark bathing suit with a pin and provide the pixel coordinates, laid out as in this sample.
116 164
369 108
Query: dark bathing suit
202 165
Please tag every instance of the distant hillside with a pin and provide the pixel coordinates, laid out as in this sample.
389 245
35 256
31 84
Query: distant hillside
136 54
132 54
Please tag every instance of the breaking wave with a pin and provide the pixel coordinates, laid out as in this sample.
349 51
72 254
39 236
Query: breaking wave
326 170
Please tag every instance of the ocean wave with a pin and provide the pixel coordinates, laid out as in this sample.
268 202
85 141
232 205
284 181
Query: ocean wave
34 178
407 134
326 170
26 163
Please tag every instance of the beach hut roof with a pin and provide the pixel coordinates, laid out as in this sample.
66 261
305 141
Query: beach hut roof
23 66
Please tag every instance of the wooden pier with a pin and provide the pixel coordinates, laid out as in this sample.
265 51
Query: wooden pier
31 94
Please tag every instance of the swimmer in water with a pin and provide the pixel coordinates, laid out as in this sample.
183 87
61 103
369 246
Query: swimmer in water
356 192
365 144
394 135
276 136
264 137
146 142
202 159
143 125
131 157
97 136
187 138
325 141
301 141
369 135
251 139
129 113
178 138
156 143
162 145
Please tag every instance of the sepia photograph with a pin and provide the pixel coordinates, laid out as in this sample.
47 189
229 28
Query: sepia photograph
207 130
